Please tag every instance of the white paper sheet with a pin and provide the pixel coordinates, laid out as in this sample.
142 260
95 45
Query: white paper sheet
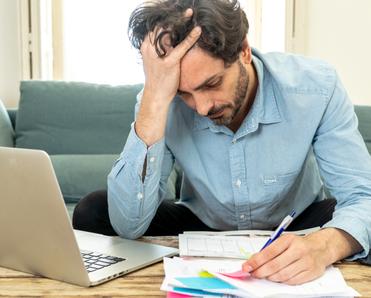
331 284
239 247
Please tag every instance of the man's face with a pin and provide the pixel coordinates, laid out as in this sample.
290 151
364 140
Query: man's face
211 89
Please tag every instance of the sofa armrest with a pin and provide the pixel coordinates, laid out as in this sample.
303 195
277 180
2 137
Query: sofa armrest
6 128
13 116
364 124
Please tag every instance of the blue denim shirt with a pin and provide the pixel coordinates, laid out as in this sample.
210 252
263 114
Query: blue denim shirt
300 134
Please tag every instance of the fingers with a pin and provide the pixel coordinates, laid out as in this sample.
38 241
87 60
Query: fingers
268 254
288 272
290 259
303 277
277 264
182 48
188 13
176 53
146 44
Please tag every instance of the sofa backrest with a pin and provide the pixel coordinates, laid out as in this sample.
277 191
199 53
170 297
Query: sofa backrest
364 124
74 118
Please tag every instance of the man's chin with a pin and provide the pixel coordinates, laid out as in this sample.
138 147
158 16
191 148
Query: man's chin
222 121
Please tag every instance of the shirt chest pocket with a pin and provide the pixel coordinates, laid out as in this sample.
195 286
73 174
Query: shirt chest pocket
273 193
276 188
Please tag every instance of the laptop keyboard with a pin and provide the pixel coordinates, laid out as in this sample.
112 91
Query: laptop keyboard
94 261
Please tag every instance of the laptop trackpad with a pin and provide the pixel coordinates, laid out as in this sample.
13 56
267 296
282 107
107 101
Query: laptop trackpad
95 242
120 247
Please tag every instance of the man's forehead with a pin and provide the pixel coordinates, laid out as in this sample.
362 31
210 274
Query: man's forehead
198 66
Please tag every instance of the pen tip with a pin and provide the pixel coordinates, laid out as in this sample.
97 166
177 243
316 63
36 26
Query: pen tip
292 213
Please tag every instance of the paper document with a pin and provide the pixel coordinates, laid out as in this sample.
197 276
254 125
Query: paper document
252 233
185 276
239 247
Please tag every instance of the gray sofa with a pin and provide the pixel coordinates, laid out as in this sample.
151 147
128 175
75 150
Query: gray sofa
84 127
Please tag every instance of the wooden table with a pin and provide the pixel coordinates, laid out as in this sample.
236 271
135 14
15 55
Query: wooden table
142 283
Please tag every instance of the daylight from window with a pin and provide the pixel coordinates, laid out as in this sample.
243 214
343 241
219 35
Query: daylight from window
96 46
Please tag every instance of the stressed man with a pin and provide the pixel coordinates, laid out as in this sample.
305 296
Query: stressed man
255 135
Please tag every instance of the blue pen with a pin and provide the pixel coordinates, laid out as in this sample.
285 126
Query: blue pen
283 226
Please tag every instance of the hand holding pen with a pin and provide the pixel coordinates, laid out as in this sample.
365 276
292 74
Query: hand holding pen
282 227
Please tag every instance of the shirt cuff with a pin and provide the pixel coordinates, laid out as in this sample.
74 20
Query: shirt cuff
136 151
355 228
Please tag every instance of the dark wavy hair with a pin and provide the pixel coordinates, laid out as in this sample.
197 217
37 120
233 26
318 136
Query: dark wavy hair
223 22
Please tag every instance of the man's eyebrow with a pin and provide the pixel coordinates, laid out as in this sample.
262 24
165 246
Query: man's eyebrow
203 84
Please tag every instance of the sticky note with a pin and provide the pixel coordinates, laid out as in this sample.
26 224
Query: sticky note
203 283
193 292
177 295
205 274
246 254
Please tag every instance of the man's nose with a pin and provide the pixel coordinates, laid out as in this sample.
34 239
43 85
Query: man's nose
203 105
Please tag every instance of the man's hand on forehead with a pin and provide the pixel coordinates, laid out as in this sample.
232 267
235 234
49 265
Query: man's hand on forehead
162 76
167 48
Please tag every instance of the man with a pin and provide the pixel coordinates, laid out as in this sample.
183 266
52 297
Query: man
252 134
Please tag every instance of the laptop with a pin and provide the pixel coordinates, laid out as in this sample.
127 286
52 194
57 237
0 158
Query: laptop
37 236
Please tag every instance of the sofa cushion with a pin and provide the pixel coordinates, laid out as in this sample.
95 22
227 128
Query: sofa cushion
74 118
364 124
79 175
6 129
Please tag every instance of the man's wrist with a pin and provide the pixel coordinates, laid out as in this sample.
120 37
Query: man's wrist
335 243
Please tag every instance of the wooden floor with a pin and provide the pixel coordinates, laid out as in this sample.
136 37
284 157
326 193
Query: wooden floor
142 283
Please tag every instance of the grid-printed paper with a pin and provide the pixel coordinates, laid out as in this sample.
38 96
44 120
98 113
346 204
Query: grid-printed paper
219 246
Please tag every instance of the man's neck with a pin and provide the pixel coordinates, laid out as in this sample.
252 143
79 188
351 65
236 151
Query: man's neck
249 99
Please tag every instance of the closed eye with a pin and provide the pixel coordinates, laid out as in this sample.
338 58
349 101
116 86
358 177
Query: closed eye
182 93
214 85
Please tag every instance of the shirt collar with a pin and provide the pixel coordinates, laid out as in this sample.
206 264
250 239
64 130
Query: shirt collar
269 112
264 109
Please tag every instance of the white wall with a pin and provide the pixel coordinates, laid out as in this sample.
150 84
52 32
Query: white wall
10 57
339 31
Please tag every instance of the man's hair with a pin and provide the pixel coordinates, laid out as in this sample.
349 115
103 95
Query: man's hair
224 25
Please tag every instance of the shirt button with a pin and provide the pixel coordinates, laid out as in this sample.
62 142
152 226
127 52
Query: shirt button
140 196
242 216
152 159
238 182
234 141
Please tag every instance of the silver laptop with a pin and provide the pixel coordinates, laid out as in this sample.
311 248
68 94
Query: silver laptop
36 233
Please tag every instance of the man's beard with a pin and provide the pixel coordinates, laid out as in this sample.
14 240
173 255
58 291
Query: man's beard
239 97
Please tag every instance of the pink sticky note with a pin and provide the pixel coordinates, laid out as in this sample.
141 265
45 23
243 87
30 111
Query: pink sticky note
176 295
237 274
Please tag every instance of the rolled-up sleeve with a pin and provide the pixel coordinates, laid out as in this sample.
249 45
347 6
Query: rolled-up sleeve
345 166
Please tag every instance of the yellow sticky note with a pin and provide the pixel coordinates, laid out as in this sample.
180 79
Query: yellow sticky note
205 274
245 253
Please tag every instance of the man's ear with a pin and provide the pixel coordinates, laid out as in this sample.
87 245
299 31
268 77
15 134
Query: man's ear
246 55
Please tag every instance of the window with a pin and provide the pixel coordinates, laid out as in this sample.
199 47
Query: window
95 42
89 38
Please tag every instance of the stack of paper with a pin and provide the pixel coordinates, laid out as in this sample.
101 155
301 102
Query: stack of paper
204 278
207 262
